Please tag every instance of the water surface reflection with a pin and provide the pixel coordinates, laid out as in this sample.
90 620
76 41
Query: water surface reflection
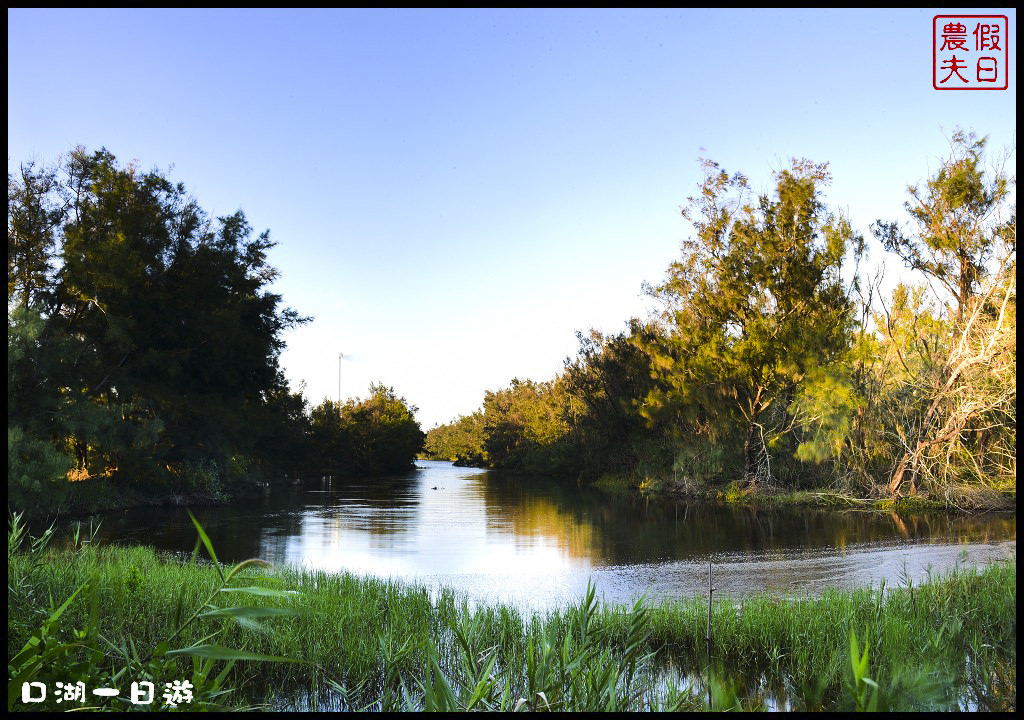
537 542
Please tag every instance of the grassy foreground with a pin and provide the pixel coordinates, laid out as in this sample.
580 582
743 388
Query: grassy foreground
344 642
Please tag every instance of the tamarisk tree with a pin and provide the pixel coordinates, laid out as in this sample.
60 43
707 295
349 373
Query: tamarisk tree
963 238
755 303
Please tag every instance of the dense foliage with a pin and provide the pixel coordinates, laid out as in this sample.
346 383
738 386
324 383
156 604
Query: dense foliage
143 342
777 359
460 441
376 435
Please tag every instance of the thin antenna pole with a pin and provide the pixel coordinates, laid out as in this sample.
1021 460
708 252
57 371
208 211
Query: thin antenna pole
340 356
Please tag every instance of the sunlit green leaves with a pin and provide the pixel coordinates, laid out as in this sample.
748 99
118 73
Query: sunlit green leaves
756 304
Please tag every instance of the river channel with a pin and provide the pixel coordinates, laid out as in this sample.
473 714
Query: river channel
536 542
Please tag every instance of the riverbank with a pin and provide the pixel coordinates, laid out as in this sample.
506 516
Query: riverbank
949 643
94 496
964 499
977 501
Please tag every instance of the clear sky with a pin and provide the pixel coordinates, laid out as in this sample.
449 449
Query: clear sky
455 193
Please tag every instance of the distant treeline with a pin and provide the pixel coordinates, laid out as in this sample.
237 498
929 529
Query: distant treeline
143 347
778 359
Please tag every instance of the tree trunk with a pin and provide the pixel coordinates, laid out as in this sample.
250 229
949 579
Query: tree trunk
752 449
907 463
81 450
750 455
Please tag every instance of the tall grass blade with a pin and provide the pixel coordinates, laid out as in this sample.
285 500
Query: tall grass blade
218 652
209 545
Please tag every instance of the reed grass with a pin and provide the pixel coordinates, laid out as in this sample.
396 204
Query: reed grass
946 643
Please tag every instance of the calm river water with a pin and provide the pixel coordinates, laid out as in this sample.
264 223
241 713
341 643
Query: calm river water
536 542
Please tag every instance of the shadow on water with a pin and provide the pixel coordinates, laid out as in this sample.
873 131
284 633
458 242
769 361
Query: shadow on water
628 529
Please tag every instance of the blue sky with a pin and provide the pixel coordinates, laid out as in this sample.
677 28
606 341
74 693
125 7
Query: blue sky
455 193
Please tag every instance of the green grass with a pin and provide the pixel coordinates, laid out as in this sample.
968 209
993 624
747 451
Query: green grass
362 642
612 483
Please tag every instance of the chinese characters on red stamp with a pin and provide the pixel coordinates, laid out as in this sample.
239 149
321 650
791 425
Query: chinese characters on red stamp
970 52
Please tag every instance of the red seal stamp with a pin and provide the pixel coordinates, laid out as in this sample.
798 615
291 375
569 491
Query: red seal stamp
970 52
